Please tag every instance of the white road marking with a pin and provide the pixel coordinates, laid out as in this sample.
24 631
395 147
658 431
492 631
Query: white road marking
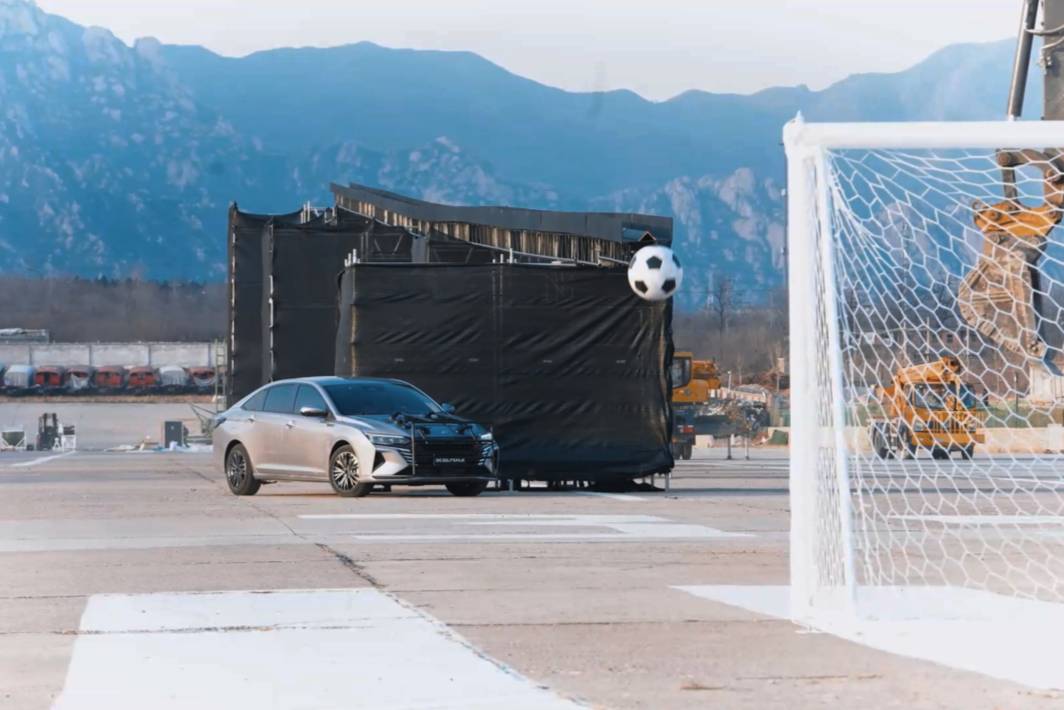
614 496
343 648
624 527
1039 481
66 544
985 519
969 629
481 516
38 462
155 533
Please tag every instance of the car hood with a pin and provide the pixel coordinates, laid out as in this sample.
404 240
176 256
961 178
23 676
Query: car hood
375 424
384 424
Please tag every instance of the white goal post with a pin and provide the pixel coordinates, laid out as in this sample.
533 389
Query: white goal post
926 279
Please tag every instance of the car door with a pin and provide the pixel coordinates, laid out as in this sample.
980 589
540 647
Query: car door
241 424
271 427
308 438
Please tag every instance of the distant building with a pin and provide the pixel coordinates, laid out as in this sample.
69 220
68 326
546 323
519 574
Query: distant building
583 237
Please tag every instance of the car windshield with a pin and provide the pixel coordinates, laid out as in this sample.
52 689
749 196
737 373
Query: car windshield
928 396
967 398
355 399
681 372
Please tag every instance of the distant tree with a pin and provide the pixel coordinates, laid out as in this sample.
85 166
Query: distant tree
722 301
87 310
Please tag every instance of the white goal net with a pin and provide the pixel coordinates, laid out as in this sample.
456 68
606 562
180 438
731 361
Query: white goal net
927 353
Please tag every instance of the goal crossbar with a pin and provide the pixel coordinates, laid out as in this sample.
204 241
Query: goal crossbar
798 135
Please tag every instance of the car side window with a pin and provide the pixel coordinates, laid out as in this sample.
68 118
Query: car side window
257 400
280 399
308 397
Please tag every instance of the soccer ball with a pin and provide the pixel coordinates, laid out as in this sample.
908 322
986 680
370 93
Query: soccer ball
655 273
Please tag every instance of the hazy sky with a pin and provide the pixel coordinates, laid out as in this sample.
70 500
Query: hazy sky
658 47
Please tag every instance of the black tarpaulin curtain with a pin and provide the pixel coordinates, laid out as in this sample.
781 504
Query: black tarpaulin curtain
566 364
301 267
244 335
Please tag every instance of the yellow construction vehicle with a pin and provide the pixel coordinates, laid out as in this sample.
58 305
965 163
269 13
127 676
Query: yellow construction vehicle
693 384
683 405
700 378
928 407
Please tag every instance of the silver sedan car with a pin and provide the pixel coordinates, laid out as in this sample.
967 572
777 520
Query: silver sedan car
354 433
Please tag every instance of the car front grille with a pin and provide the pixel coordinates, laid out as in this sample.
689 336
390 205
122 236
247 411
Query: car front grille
472 451
951 426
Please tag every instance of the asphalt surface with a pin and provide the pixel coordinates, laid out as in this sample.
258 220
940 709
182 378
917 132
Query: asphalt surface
416 598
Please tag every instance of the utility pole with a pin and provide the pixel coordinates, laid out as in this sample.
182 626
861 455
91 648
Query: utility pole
1028 18
1052 59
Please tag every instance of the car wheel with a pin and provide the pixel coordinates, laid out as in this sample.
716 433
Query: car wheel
344 474
882 450
968 452
469 489
239 473
906 447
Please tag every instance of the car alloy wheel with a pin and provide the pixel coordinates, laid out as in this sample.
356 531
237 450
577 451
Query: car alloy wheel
345 471
239 473
237 470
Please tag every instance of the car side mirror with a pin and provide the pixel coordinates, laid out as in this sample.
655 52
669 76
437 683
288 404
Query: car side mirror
313 412
447 408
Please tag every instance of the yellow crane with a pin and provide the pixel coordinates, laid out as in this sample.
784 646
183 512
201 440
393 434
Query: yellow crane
928 407
693 383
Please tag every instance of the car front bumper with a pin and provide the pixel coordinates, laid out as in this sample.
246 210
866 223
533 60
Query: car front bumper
396 466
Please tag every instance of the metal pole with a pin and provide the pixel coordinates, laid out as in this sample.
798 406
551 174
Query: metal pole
1028 18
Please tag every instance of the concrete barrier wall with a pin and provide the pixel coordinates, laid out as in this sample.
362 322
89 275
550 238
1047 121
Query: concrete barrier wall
99 354
120 354
15 353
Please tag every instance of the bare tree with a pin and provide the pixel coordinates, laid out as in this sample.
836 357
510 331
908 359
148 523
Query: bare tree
75 309
750 346
723 301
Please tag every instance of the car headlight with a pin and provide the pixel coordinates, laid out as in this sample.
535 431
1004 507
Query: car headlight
487 437
389 440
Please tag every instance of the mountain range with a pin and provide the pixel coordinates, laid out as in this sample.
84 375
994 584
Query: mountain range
120 160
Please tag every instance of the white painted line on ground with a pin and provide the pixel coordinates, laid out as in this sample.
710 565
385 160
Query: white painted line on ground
480 516
969 629
344 648
1039 481
624 527
67 544
985 519
153 533
38 462
662 534
614 496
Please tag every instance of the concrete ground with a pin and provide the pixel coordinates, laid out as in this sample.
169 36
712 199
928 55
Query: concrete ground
562 596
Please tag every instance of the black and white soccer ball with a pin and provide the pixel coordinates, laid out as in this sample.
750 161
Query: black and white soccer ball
655 273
